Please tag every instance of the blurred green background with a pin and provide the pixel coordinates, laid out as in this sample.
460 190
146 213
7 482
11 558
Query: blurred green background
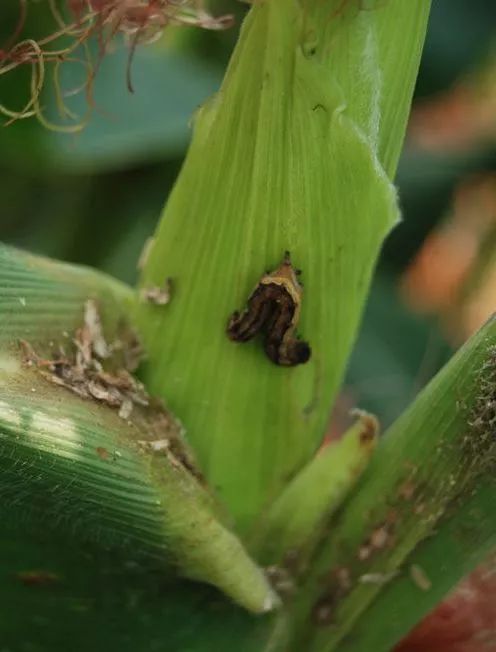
94 197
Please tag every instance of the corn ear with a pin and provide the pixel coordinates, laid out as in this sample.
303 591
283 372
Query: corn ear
76 465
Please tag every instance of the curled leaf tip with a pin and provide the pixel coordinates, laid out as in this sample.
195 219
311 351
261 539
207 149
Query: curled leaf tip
368 424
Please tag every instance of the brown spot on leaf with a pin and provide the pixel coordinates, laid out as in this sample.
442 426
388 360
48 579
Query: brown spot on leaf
281 580
379 538
407 490
322 613
369 425
364 552
38 578
160 296
343 577
102 453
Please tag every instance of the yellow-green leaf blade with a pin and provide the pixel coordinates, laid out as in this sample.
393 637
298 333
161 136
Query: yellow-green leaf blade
278 162
373 49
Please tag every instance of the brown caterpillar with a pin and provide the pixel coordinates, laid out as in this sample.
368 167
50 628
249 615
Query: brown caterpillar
274 309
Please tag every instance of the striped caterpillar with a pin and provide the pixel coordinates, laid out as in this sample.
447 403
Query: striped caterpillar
273 309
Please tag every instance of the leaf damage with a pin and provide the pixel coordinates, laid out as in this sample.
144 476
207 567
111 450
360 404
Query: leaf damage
96 369
88 366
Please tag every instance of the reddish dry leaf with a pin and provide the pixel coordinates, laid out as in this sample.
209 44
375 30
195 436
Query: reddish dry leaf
464 622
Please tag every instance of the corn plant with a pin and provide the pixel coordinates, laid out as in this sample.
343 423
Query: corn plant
163 482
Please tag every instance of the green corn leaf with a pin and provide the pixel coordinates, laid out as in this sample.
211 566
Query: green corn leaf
65 594
122 481
374 62
42 300
288 156
461 542
432 476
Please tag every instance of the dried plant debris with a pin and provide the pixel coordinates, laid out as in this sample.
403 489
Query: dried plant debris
160 296
81 370
378 579
95 369
174 450
281 580
420 578
381 538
